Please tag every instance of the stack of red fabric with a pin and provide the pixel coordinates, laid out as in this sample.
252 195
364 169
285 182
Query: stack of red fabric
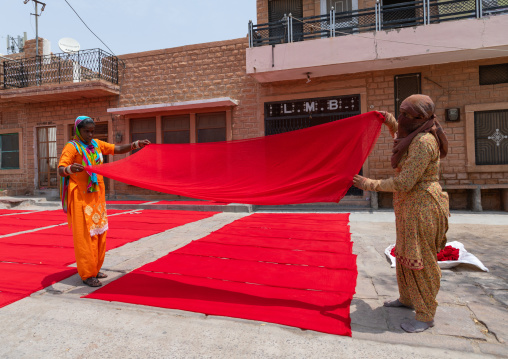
448 254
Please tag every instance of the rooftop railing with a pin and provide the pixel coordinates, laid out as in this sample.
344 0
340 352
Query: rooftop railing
378 18
60 68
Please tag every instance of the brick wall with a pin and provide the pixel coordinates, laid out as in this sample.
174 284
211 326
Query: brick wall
185 73
217 69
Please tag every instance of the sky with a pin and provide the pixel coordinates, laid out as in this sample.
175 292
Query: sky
129 26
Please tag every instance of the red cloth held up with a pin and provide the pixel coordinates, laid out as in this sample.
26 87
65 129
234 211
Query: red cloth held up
315 164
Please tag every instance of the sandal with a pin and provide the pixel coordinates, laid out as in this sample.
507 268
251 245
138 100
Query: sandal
92 282
101 275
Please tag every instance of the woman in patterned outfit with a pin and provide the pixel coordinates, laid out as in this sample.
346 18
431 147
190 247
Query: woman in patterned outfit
421 207
83 196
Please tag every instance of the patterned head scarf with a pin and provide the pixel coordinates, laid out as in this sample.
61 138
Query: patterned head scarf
92 155
417 116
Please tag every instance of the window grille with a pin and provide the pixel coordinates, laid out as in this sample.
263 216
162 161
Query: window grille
9 151
176 129
211 127
494 74
491 137
405 86
143 129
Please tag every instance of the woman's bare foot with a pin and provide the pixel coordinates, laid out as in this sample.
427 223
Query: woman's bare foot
415 326
396 304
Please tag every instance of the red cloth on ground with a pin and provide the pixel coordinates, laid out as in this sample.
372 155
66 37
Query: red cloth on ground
261 278
11 211
126 202
322 311
27 221
316 164
36 254
272 274
200 203
29 278
274 255
7 298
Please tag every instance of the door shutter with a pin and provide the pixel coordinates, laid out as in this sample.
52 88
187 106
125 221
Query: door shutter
405 86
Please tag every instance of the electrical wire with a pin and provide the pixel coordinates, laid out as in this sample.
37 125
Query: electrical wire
89 28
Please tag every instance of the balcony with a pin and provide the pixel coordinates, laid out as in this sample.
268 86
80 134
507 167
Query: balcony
415 33
65 76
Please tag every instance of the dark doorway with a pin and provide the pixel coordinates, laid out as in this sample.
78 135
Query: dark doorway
396 13
276 11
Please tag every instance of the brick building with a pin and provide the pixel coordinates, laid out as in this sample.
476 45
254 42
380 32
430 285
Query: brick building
292 71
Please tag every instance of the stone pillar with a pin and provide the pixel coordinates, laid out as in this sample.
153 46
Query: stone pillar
477 199
374 202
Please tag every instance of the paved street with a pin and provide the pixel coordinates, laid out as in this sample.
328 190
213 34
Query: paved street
471 321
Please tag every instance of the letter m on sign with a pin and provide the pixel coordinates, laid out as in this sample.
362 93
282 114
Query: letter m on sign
310 106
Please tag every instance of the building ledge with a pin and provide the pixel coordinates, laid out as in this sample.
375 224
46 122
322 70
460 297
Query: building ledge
175 106
60 92
447 42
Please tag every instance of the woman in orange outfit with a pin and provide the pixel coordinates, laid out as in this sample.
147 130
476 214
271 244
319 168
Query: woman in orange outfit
83 196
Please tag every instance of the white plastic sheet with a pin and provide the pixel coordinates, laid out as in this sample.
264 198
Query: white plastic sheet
464 257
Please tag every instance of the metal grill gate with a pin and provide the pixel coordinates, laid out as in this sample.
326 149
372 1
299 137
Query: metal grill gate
294 115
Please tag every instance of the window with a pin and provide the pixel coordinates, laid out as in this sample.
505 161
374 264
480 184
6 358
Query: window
494 74
9 151
176 129
143 129
211 127
405 86
491 137
338 5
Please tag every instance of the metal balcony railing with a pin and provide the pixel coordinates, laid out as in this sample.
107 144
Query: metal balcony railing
59 68
380 17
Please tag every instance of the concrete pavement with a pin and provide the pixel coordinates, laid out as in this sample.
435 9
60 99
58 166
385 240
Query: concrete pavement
470 323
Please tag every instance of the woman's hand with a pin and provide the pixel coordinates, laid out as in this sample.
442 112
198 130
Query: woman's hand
385 115
76 167
143 143
358 181
73 168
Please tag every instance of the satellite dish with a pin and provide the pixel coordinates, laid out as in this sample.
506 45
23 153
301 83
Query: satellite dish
68 45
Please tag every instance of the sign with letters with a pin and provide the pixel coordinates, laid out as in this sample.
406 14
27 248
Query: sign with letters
315 106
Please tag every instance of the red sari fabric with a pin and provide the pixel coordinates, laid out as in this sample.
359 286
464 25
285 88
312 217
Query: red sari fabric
257 275
316 164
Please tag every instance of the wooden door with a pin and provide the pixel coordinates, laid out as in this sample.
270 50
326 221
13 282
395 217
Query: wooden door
47 157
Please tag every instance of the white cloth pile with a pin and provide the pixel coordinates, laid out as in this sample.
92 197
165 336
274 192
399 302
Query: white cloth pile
464 257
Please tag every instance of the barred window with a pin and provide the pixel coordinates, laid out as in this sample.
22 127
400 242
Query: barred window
491 137
494 74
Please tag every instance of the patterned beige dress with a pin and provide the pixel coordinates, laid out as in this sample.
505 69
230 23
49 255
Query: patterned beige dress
421 216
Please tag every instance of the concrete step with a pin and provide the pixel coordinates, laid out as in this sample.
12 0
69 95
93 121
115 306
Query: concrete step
232 207
347 203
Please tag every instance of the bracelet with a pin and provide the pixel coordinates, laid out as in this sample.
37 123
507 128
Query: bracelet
135 145
68 170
